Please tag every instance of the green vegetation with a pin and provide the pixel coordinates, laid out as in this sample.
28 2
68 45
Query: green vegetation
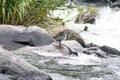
27 12
85 28
85 10
86 15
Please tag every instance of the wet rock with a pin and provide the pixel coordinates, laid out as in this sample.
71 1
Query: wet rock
18 36
73 45
91 0
102 52
110 50
70 34
14 68
47 49
86 17
7 77
67 48
115 4
94 0
95 51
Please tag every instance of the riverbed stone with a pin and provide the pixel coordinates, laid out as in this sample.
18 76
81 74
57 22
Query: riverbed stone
12 66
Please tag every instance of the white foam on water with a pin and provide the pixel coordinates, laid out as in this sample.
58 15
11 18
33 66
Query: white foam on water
60 77
50 54
83 59
106 30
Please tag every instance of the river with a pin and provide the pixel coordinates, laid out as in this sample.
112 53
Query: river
105 31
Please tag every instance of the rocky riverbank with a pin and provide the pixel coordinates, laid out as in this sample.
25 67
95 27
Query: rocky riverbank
22 48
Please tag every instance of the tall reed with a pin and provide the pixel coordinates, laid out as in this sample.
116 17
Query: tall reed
26 12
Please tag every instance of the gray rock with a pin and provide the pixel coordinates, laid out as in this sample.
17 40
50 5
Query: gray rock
110 50
7 77
47 49
86 17
115 4
67 48
73 45
13 37
95 51
102 52
14 66
71 35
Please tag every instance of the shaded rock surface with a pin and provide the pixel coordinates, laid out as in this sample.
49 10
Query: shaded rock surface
115 3
69 34
98 3
15 68
110 50
13 37
86 17
101 51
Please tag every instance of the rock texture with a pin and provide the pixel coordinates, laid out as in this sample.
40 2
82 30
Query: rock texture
15 68
110 50
86 17
115 3
13 37
70 34
52 48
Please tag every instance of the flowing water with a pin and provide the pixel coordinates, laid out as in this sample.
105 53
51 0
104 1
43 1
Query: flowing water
105 31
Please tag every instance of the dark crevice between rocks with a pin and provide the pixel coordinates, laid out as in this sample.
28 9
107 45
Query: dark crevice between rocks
25 43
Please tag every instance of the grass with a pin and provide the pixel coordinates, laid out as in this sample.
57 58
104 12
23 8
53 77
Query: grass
27 12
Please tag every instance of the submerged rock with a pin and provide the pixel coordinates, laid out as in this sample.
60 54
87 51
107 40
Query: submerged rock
18 36
15 68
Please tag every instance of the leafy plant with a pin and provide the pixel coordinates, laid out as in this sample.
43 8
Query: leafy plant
27 12
13 11
85 28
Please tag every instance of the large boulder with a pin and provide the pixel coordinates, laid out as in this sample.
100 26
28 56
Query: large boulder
70 34
14 68
13 37
86 17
